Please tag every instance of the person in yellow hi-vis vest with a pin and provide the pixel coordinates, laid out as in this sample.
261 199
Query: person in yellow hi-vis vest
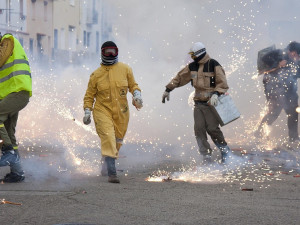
15 91
106 96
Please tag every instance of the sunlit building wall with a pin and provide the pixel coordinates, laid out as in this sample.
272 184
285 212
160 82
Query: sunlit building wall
65 31
13 19
39 25
78 30
31 22
66 23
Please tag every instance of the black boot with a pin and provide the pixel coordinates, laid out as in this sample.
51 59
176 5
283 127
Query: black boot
206 160
111 170
13 177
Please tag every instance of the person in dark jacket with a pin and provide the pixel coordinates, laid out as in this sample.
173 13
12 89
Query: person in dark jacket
280 88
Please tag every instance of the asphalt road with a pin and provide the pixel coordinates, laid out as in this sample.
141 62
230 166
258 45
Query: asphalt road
263 189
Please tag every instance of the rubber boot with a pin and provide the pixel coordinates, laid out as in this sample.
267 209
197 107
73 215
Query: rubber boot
111 170
224 152
103 167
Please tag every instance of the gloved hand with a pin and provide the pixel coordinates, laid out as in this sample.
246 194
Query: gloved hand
165 95
213 100
137 100
87 116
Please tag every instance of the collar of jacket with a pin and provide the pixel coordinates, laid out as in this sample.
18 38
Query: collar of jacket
108 66
204 59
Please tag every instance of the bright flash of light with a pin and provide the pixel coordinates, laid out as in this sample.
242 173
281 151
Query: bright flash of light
157 179
192 175
254 77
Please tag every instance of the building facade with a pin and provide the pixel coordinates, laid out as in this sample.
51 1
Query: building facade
64 31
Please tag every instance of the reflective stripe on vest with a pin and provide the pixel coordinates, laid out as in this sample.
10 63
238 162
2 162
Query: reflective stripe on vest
17 61
15 74
20 72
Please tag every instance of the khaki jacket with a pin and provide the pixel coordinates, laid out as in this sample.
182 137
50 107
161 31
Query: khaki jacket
6 49
207 76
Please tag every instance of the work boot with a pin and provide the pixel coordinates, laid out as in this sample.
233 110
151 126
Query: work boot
9 158
13 178
111 170
103 167
206 160
224 153
113 179
224 156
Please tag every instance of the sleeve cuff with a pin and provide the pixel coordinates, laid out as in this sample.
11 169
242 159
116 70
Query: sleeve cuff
217 93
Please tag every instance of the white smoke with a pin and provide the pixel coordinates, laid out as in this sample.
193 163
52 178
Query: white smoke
154 38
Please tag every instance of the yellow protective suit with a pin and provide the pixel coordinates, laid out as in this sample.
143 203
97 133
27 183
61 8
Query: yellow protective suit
106 96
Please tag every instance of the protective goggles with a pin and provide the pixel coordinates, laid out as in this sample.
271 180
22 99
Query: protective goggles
110 51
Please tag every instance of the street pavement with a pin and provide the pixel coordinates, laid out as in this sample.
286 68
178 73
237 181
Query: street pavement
258 188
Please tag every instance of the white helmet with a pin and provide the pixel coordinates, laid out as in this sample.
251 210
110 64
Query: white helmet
197 49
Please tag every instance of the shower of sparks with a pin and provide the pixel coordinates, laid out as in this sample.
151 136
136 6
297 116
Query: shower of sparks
249 170
53 119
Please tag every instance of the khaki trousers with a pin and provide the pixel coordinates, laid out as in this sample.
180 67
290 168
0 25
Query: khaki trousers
9 111
205 123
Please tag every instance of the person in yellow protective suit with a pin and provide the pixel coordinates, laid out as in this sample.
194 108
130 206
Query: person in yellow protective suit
106 96
15 91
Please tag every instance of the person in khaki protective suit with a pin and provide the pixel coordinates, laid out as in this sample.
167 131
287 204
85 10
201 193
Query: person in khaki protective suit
106 96
15 91
208 78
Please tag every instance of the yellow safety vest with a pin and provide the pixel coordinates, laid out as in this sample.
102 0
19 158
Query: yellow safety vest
15 74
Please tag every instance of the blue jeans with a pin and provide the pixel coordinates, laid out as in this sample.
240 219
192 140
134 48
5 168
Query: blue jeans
111 166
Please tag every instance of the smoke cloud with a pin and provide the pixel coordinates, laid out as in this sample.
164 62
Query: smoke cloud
154 38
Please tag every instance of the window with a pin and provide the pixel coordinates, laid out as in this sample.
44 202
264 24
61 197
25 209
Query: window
97 42
62 38
88 41
45 11
72 38
21 9
31 46
55 39
33 10
84 38
8 11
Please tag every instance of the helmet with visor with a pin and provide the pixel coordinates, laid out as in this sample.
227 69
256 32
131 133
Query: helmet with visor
110 51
